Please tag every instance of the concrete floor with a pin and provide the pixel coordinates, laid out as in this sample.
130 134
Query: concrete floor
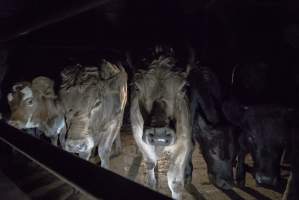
130 165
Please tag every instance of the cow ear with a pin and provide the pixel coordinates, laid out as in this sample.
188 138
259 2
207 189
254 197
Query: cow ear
9 97
108 70
234 112
202 123
44 86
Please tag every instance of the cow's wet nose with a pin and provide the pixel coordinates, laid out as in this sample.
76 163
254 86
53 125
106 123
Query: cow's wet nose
265 180
225 184
162 136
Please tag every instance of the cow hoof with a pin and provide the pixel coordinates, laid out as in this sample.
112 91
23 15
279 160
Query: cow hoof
241 183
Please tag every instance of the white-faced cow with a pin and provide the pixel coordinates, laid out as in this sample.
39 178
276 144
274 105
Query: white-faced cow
35 105
161 120
94 101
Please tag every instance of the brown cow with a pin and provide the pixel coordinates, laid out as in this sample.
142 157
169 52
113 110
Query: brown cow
94 101
35 105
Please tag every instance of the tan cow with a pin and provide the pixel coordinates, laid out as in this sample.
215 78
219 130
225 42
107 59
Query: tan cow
161 120
35 105
94 100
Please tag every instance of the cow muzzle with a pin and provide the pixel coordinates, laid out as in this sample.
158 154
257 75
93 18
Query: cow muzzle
79 145
221 182
161 136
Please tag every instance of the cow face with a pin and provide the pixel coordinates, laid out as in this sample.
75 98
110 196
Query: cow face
80 102
159 92
28 100
23 103
159 129
90 96
264 131
79 119
218 146
266 141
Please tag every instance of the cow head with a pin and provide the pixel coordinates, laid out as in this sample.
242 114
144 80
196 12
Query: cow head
26 99
264 129
160 93
218 146
216 137
84 93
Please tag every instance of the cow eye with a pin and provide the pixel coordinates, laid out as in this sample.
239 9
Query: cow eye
29 101
97 103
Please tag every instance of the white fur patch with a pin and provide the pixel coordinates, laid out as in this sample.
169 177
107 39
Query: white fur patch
60 127
89 142
27 92
30 124
124 97
9 97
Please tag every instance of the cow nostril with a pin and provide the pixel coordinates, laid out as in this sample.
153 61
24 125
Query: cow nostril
151 135
168 134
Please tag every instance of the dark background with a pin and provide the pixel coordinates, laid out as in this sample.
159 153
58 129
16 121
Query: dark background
223 32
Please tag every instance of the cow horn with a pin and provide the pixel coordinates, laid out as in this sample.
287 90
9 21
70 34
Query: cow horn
44 85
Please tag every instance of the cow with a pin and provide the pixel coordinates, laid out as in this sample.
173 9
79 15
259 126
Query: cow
264 134
94 100
217 138
35 105
160 118
291 191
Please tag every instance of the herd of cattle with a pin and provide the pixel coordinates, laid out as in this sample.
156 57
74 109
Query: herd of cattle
171 108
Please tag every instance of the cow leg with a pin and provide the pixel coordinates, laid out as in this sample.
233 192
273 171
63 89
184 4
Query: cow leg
189 167
176 172
117 146
105 145
151 178
117 140
104 154
62 136
54 140
240 170
149 156
85 155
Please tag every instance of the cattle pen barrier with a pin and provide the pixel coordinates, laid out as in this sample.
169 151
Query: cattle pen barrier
91 180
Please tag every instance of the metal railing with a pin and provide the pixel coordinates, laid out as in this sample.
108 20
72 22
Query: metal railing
91 180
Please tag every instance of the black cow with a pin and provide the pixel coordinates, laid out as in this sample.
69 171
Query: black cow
217 138
265 133
291 192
